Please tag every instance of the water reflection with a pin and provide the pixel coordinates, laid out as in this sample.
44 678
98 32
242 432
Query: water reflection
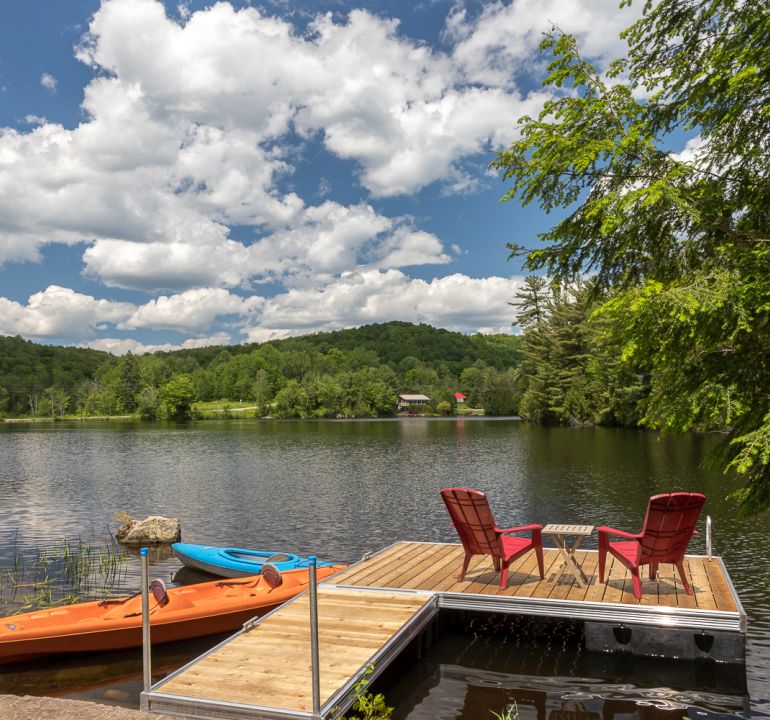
484 664
105 676
454 692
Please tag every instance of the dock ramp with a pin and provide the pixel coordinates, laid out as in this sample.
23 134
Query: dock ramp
264 672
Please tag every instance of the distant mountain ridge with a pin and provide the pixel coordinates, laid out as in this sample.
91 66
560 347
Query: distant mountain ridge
31 373
392 341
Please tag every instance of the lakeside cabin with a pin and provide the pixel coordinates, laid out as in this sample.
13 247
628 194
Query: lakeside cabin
411 403
459 398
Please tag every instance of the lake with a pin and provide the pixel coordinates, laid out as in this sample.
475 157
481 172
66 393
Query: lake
340 488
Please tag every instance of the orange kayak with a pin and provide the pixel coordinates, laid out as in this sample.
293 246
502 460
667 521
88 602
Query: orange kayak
192 611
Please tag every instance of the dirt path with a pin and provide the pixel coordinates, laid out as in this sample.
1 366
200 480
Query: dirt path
14 707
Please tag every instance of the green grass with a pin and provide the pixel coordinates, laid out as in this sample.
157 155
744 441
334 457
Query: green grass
465 410
224 409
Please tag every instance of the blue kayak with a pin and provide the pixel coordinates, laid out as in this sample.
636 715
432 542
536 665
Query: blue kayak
237 562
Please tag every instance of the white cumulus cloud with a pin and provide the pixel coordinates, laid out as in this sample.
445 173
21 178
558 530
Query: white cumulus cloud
190 311
456 302
121 346
59 312
500 45
49 82
168 266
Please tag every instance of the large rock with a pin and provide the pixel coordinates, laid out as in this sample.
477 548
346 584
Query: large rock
152 530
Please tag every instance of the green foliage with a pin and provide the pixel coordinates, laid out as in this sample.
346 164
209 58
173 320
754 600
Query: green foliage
395 342
703 344
263 390
368 706
128 385
499 395
371 707
27 370
54 402
572 371
148 403
681 247
5 399
291 400
531 302
177 396
511 712
93 398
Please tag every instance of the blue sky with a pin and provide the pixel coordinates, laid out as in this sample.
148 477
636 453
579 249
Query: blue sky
186 173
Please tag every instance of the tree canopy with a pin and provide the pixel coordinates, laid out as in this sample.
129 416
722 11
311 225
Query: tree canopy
348 373
677 245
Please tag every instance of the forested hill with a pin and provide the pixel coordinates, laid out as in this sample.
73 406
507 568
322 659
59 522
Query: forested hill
395 341
347 372
27 369
392 342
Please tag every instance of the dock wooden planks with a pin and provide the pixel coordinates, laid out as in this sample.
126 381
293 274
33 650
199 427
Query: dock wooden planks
434 567
269 666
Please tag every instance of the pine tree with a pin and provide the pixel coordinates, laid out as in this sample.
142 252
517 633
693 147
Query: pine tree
531 301
128 384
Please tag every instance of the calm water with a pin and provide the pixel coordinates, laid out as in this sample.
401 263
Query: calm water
338 489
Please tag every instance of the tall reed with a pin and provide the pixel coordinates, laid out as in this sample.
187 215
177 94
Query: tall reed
68 571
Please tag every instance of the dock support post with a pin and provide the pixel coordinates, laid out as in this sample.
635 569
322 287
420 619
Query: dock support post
314 660
708 536
146 657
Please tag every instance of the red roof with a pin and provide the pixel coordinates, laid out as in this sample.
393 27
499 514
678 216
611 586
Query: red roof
458 396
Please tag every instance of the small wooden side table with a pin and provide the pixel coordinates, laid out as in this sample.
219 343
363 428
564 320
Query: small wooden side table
560 533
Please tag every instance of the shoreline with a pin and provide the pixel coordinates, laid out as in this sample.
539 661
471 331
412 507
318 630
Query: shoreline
29 707
70 418
234 416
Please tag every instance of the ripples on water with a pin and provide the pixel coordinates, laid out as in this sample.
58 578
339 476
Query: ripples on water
339 488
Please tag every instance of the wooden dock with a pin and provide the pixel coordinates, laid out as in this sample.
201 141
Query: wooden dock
369 612
433 567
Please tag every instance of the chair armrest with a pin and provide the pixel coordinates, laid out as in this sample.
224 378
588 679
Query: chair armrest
522 528
604 530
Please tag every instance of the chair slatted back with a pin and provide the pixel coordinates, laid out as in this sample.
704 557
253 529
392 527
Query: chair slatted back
668 526
473 520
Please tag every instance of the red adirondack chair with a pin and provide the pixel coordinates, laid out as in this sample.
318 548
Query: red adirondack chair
668 527
472 518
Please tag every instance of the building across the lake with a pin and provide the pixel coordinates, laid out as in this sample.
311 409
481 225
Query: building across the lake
411 402
459 398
